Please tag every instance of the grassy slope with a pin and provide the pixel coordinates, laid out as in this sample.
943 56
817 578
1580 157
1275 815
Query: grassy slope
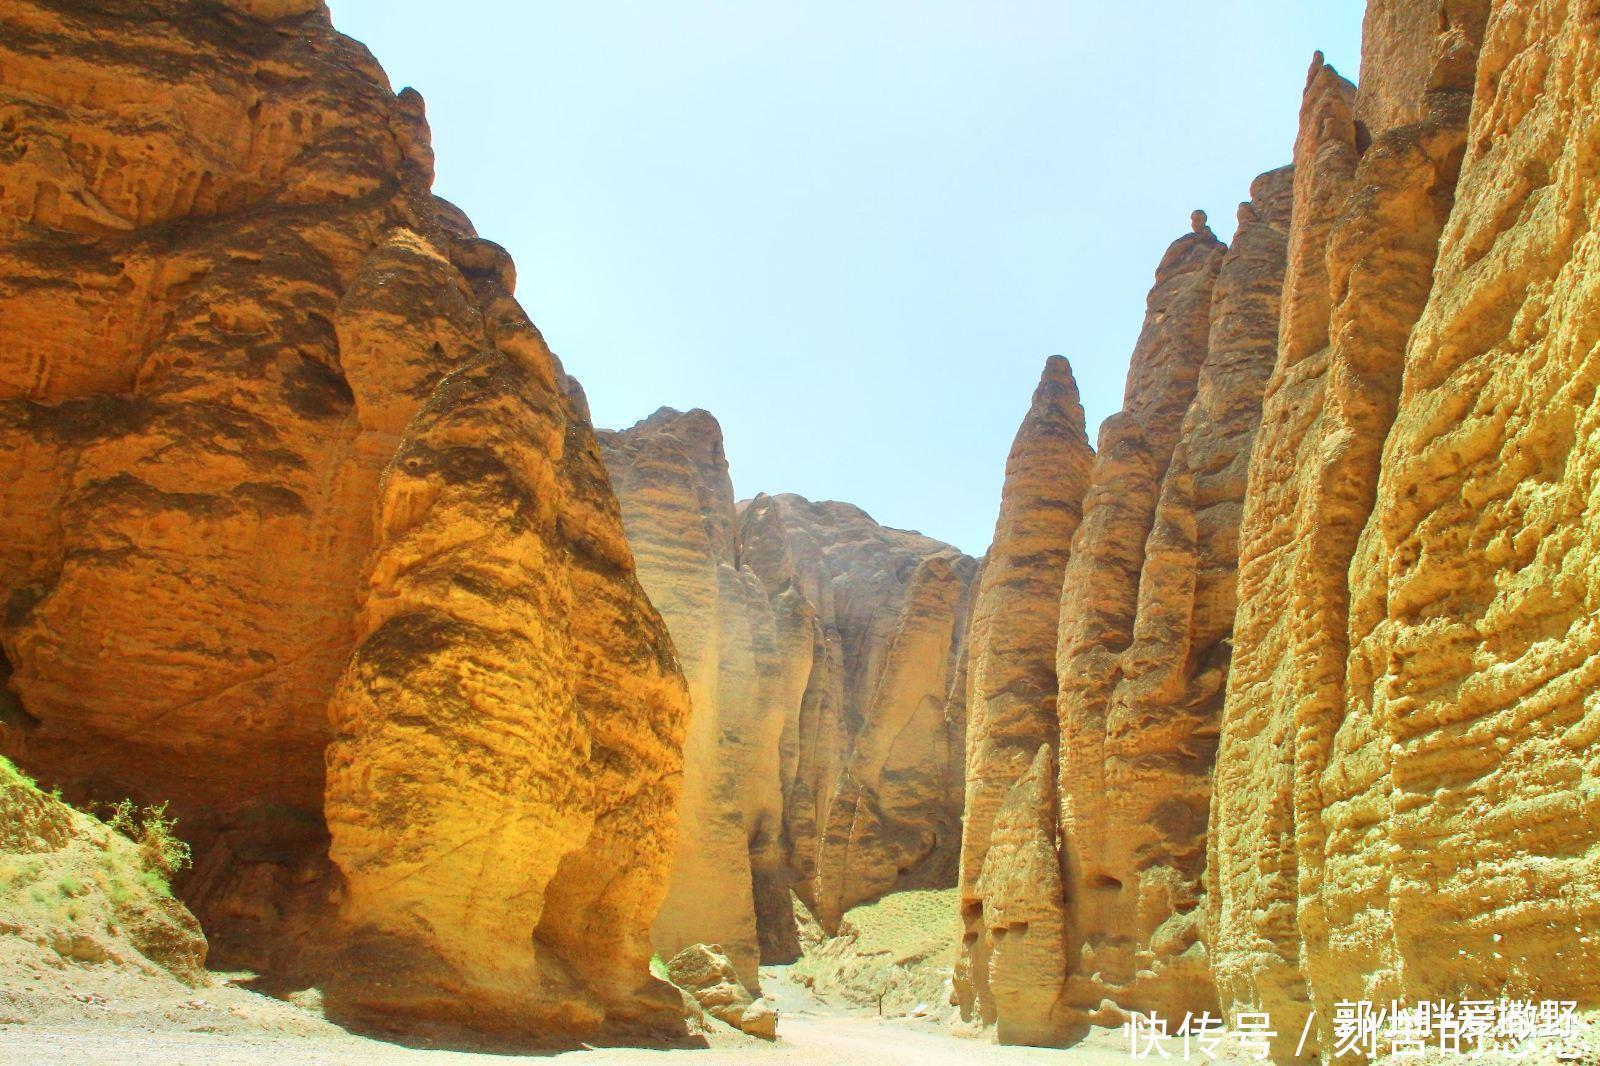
76 894
902 945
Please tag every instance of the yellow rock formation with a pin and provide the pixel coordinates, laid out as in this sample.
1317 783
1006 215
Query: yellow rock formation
671 476
303 528
819 649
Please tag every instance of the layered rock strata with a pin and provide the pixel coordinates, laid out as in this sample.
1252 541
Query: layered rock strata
1147 616
1118 662
303 530
1010 710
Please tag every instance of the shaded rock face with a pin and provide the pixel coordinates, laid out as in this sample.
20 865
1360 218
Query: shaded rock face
1146 613
819 648
870 766
1010 710
1111 640
671 476
304 530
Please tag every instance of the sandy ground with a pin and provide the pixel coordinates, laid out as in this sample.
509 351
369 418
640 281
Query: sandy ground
227 1025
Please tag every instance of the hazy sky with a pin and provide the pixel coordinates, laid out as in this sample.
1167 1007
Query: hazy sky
851 229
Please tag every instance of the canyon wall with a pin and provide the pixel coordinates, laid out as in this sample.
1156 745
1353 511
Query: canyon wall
820 650
745 679
1100 648
1409 733
1147 613
871 804
1327 641
304 530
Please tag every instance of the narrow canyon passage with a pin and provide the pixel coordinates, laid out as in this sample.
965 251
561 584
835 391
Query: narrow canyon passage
364 698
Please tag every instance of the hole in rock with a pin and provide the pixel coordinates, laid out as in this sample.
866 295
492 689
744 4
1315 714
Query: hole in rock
13 715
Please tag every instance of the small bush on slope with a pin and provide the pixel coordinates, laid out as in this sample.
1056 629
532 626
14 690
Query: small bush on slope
79 890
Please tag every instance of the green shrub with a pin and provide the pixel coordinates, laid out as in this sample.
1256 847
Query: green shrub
161 851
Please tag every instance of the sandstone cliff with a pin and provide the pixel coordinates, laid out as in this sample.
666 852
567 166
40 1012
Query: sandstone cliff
1410 730
819 648
302 529
870 805
671 476
1145 634
1010 711
1108 635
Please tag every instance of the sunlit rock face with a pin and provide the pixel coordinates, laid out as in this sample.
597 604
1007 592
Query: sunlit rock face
1324 715
1146 616
1309 775
746 659
1100 645
821 650
1431 682
304 530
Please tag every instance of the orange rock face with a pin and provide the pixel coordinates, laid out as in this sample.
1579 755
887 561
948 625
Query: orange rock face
1011 707
1111 586
302 529
1135 846
1113 885
671 475
820 650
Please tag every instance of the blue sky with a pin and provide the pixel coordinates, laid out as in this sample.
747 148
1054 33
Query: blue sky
851 229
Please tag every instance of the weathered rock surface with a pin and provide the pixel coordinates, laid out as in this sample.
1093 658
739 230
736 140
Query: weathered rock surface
870 803
1106 642
1104 915
705 973
302 529
1135 877
1024 927
819 648
1010 711
888 819
1473 686
1299 908
671 476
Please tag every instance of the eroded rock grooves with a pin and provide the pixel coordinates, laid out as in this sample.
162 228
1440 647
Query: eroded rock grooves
303 530
820 649
1302 774
871 805
1402 786
671 476
1146 612
1134 828
1010 710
